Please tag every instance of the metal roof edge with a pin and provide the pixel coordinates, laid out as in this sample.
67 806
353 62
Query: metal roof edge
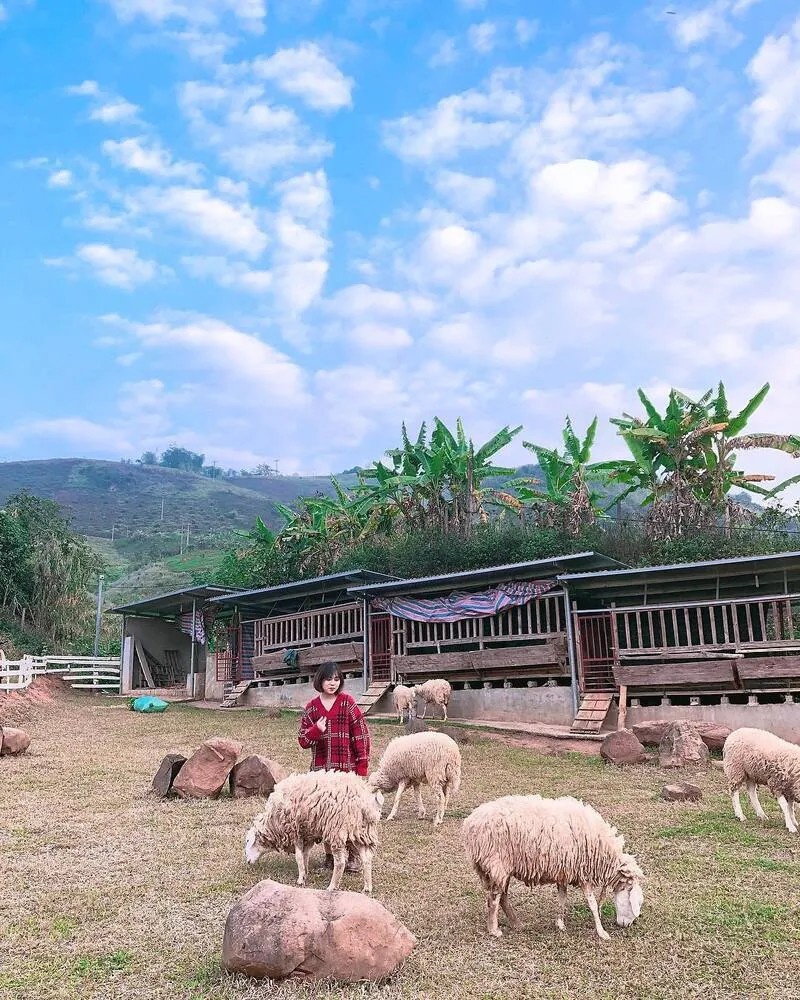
295 585
184 592
670 567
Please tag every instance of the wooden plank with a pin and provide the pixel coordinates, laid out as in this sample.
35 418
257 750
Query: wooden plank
672 675
547 654
311 656
140 652
764 667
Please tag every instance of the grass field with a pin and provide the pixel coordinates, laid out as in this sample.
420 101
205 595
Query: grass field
106 892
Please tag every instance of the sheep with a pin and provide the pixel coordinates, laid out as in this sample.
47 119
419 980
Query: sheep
334 807
754 757
550 842
403 698
433 692
421 758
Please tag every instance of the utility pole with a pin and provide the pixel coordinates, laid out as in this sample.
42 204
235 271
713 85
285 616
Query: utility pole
276 466
113 526
162 508
97 617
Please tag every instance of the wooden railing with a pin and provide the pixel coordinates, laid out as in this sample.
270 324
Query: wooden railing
538 619
343 623
100 673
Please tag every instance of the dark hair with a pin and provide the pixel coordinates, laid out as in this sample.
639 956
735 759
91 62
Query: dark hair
326 672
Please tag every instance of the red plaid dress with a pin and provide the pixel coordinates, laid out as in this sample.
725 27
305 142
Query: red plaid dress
345 744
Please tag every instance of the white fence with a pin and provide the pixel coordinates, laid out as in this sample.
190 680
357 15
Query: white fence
101 673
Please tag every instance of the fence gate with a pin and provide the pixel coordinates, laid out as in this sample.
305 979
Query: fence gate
380 648
229 660
597 651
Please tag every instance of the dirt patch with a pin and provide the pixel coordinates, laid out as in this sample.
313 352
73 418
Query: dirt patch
546 745
18 706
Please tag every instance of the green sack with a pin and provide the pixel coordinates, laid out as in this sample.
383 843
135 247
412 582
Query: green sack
147 703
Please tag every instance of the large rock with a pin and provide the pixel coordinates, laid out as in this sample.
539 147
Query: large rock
255 775
684 791
682 747
204 774
167 773
622 747
710 733
276 931
13 741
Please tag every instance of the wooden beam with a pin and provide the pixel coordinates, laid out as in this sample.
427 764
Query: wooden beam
765 667
140 652
623 706
672 675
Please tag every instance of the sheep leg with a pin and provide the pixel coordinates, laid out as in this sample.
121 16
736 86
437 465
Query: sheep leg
441 802
398 795
301 857
752 791
444 709
511 914
339 861
492 906
562 907
365 854
588 891
737 805
791 826
420 803
424 710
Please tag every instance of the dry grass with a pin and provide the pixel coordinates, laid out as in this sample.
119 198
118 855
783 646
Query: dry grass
106 892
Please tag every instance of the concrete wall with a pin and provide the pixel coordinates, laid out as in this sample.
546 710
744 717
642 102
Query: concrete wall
214 689
157 635
783 720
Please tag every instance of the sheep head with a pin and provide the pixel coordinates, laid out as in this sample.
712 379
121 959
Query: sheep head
628 896
254 846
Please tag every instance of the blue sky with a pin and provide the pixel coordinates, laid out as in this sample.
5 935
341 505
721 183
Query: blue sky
277 229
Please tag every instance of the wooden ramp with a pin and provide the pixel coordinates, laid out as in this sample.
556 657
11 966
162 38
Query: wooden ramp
592 713
372 695
231 699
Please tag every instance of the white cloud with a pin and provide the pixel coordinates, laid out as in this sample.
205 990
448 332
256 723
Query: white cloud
482 37
203 214
3 13
690 28
775 71
107 108
116 266
525 30
464 192
379 336
229 274
471 4
306 72
250 13
445 54
150 157
60 179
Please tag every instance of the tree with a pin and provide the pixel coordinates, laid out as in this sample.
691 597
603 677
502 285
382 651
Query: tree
181 458
148 458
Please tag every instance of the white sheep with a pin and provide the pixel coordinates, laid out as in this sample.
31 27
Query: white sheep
754 757
403 698
334 807
557 842
433 692
421 758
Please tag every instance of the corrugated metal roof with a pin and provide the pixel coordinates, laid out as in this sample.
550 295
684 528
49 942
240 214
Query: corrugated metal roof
489 574
699 569
172 602
299 588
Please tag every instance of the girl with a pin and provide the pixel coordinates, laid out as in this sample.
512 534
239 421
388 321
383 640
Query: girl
334 729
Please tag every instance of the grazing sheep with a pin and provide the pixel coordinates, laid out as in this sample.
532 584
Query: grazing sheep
421 758
754 757
403 698
433 692
334 807
550 842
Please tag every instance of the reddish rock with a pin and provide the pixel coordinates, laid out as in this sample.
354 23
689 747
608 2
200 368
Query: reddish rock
682 747
255 775
710 733
13 741
167 773
683 792
205 773
276 931
622 747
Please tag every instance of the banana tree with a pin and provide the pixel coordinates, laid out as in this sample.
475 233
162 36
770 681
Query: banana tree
567 500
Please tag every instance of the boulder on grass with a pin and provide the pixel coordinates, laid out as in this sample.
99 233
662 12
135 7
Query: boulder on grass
622 747
710 733
167 773
204 774
684 791
13 741
682 747
255 775
276 931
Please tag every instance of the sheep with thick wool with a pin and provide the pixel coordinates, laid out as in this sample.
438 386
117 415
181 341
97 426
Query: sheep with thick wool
754 757
419 759
403 698
557 842
433 692
334 807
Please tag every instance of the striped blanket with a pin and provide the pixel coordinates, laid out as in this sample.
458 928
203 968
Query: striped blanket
460 604
204 619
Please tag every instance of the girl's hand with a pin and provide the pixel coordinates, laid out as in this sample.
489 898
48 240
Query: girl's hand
322 724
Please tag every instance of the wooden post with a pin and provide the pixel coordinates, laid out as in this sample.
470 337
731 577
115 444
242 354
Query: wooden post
623 706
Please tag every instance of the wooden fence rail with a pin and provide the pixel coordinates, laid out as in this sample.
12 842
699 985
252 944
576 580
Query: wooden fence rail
88 673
